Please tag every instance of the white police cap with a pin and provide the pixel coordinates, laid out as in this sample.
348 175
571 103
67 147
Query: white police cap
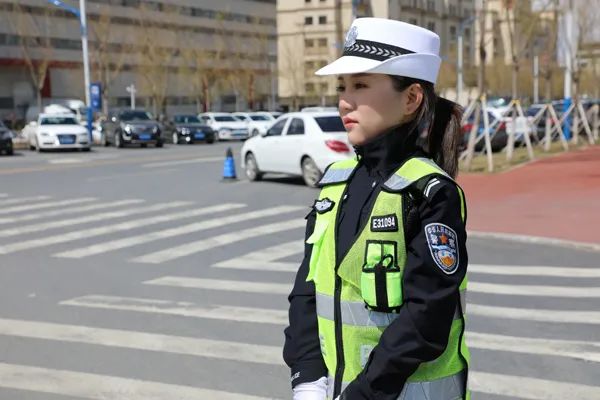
385 46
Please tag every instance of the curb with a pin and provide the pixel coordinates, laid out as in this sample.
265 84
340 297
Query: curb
594 247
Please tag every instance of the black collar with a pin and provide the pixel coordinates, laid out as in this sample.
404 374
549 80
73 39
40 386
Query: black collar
386 153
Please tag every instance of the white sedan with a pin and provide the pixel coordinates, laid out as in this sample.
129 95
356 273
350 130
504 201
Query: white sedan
57 131
258 122
299 143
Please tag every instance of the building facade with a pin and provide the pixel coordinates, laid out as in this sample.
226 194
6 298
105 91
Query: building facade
311 34
180 55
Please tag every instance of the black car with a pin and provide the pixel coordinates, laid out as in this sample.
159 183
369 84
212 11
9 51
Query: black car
131 127
189 129
6 143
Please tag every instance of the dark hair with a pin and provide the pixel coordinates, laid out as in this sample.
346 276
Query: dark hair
439 120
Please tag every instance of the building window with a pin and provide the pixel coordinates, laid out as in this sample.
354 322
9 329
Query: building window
307 1
323 42
453 30
322 20
431 26
324 87
412 21
308 20
467 32
308 65
430 5
309 43
309 87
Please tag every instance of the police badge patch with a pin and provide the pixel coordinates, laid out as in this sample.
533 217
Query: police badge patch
443 247
323 205
351 37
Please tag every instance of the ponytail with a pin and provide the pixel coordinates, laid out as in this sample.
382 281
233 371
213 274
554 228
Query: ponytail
440 119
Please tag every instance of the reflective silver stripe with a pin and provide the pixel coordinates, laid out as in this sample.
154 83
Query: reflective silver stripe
336 176
433 164
356 314
396 182
448 388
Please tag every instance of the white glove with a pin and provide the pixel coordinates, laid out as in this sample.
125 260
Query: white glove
316 390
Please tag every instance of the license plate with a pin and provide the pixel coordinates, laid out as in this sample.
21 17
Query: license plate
66 140
239 133
199 135
144 136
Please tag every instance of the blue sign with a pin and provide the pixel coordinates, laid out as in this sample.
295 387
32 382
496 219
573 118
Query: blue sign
96 96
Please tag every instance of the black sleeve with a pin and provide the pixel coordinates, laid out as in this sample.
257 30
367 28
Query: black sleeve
430 295
302 350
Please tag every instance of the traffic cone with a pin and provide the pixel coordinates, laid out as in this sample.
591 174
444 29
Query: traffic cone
229 166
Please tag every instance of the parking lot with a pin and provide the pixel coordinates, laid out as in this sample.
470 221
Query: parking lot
138 274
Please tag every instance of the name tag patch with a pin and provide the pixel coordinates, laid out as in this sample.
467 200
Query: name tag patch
443 247
384 223
323 205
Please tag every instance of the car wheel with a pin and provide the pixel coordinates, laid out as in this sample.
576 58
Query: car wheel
175 138
255 132
210 141
143 145
10 152
310 172
85 149
252 171
118 140
103 141
37 146
159 143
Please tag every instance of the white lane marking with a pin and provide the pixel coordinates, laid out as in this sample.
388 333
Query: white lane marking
70 210
264 259
143 341
2 195
541 271
546 241
103 230
220 284
68 161
588 351
183 162
112 245
535 290
217 241
27 207
539 315
181 308
83 220
23 200
127 176
103 387
530 388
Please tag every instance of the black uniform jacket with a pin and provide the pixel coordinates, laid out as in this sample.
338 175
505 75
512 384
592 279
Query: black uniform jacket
420 333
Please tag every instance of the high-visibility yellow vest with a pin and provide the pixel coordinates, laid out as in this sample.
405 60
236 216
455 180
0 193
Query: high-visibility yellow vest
348 329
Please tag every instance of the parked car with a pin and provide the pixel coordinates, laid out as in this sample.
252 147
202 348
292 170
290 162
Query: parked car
257 122
124 127
499 137
57 131
299 143
189 129
225 125
6 140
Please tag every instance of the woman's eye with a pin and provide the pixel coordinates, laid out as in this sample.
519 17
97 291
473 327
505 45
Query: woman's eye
340 88
359 86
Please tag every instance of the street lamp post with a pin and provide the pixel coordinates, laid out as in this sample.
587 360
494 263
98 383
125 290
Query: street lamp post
81 16
459 61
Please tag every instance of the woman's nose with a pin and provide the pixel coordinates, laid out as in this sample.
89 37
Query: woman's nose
344 106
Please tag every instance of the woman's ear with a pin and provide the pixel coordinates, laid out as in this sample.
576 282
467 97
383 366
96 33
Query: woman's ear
414 98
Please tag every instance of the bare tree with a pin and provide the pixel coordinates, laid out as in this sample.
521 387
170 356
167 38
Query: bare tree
482 11
35 45
291 70
108 59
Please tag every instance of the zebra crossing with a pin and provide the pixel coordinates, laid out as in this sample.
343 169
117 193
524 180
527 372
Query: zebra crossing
219 293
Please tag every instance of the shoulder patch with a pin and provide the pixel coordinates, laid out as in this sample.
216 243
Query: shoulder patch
441 240
384 223
323 205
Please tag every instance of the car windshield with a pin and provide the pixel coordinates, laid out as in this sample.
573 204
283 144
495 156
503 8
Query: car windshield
225 118
135 115
186 119
259 118
330 124
58 121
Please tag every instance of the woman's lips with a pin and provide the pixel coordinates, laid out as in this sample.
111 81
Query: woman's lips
349 122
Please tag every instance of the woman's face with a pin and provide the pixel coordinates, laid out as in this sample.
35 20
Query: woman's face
369 105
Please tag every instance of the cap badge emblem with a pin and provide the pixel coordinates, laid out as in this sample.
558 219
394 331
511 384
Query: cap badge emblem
351 37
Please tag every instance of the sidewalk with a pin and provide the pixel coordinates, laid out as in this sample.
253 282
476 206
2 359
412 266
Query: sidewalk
557 197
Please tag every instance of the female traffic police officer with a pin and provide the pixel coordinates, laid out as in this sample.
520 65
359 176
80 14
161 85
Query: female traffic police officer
377 309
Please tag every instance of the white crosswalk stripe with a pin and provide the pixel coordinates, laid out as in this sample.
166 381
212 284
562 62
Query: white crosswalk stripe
216 241
28 207
265 259
534 290
220 284
70 210
182 230
103 387
539 315
526 270
181 308
84 219
104 230
23 200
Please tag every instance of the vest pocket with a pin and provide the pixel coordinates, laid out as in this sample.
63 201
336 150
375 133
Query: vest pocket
381 280
316 239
